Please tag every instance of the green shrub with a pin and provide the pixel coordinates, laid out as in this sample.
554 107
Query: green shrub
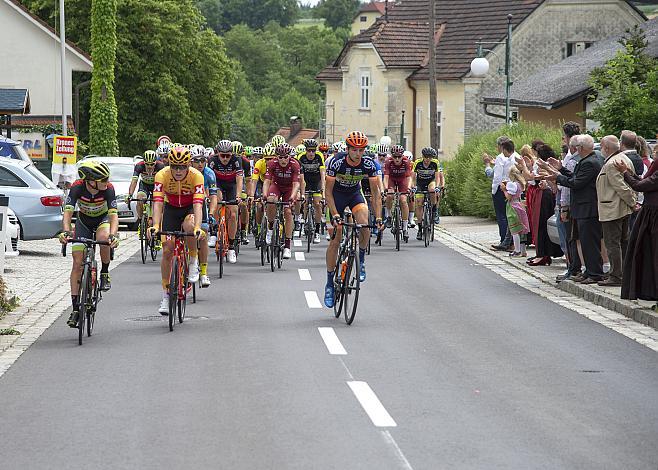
468 190
8 302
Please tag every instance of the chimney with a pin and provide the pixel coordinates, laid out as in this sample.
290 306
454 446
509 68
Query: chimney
295 125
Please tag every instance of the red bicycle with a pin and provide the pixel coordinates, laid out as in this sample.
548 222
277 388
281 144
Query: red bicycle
179 285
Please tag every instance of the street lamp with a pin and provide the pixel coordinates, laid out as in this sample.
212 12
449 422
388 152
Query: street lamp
480 65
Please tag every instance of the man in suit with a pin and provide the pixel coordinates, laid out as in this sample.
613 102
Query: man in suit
584 205
616 202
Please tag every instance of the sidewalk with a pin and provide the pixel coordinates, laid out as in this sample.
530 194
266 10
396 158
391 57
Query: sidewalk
40 278
481 233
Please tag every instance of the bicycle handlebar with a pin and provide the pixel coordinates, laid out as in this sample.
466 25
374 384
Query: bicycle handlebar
174 233
232 202
86 241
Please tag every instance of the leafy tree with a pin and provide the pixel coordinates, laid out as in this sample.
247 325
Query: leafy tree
223 14
337 13
627 89
103 121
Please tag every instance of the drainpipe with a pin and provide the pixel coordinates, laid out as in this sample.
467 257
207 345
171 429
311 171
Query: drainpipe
413 118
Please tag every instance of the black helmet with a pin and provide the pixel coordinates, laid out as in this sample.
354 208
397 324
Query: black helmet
429 152
310 144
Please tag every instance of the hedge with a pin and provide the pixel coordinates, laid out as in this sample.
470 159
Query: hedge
468 190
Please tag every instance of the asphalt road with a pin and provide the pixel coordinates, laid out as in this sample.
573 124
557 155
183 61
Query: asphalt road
447 365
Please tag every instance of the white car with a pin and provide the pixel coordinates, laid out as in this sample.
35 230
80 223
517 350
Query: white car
12 236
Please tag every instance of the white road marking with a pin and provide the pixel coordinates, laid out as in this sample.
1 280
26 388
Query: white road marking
299 256
297 242
346 368
402 460
371 404
331 341
312 299
304 274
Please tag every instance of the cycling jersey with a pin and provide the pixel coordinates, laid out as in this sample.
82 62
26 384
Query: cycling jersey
401 170
310 168
365 183
93 209
147 175
209 181
283 176
425 174
226 172
181 193
348 176
259 170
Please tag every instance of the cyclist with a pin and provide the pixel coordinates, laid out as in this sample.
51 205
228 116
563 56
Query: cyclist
313 178
238 150
365 185
163 153
397 177
282 182
427 176
343 189
324 148
229 173
178 197
411 221
258 177
199 161
144 173
97 214
277 140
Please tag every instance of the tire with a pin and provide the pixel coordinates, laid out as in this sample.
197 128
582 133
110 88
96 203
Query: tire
173 292
143 241
427 224
263 252
274 247
397 224
85 283
339 289
154 252
93 303
220 250
352 288
193 292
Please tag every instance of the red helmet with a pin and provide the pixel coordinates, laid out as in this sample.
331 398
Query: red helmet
397 150
284 150
356 139
324 146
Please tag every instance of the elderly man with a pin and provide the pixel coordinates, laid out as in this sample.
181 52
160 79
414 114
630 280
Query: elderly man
584 205
628 142
499 173
616 202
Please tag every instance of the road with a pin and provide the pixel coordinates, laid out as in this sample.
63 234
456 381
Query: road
447 365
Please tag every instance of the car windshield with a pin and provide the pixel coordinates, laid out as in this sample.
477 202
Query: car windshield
120 171
31 169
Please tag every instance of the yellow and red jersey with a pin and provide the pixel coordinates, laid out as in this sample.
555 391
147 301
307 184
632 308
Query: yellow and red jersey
181 193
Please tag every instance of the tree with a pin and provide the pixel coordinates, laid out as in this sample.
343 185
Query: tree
337 13
222 15
103 120
627 89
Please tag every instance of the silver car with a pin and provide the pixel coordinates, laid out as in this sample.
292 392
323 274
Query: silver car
121 172
35 200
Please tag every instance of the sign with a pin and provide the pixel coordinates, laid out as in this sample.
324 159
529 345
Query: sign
65 149
34 144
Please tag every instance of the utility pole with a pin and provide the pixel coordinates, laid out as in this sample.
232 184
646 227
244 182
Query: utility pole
62 40
432 75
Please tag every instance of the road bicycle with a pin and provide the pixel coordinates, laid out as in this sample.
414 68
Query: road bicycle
427 219
347 283
179 285
147 245
89 294
278 235
309 220
221 247
396 221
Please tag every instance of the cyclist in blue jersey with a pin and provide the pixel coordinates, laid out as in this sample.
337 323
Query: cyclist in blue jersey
343 189
365 187
199 161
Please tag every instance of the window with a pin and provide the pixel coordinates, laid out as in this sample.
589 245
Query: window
576 47
365 89
7 178
364 18
439 127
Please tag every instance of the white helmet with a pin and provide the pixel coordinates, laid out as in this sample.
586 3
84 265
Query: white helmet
198 151
383 149
163 149
408 154
209 151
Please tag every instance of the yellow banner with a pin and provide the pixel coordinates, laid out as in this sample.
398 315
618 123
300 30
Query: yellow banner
65 149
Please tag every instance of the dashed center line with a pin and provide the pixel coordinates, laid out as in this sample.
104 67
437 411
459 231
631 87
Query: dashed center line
331 341
304 274
299 256
371 404
312 299
297 242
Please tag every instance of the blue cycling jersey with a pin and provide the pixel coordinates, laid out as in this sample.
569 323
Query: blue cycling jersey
348 176
209 181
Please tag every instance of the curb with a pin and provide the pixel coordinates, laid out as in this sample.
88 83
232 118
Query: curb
627 308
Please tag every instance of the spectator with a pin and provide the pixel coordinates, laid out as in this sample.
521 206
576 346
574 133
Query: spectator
528 169
644 151
517 218
584 205
628 141
640 278
616 202
499 173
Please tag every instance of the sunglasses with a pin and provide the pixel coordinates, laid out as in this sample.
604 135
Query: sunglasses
397 157
225 155
284 157
178 167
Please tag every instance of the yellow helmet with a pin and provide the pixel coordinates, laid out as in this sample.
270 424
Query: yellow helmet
179 156
269 151
278 140
150 157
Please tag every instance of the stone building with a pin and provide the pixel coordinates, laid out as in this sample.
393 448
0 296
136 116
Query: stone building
383 71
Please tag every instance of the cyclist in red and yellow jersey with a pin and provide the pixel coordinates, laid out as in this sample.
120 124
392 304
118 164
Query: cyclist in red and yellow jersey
178 197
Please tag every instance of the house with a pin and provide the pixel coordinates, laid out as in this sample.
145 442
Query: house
383 71
30 58
368 14
560 92
296 132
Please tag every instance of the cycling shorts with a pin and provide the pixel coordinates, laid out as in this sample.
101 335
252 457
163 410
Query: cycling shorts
399 184
355 201
315 187
145 189
283 192
88 230
228 189
173 217
425 186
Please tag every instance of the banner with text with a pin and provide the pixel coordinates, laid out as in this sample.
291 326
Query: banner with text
65 149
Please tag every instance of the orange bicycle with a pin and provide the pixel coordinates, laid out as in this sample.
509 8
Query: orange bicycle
221 247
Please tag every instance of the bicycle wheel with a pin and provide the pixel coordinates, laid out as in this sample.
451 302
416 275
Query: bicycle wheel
339 283
220 249
274 246
83 299
352 288
93 303
427 223
173 292
143 242
263 250
397 224
182 292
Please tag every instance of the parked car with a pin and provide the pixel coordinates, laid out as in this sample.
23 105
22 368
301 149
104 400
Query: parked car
13 149
13 233
121 173
35 200
553 234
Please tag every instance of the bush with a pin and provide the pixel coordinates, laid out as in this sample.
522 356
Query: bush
468 190
7 302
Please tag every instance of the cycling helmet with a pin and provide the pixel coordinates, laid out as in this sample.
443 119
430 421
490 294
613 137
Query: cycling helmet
150 157
179 156
382 149
310 143
237 147
163 149
257 151
324 146
356 139
408 154
284 150
397 150
198 151
248 150
268 151
93 170
209 152
301 148
429 152
224 146
337 147
278 140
